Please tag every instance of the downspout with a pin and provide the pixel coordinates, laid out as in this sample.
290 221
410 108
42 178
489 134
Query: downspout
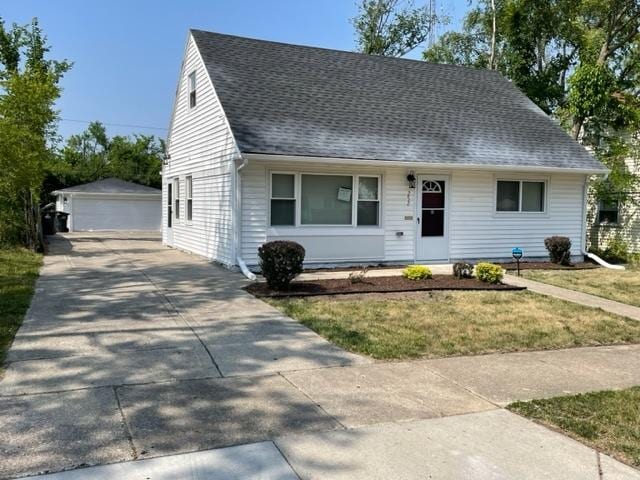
238 212
587 254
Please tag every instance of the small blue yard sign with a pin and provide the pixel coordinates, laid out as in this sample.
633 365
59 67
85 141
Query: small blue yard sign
516 252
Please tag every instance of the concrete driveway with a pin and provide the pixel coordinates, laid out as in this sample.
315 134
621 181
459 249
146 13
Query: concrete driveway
133 351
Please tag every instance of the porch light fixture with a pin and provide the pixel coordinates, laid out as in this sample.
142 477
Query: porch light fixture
411 178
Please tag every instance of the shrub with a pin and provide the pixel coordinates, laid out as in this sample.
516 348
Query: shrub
417 272
489 272
617 250
463 270
358 276
280 262
559 249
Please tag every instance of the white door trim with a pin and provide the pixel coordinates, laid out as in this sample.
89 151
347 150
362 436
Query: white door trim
418 213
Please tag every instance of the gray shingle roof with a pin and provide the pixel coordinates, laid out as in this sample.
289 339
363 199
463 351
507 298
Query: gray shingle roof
111 185
296 100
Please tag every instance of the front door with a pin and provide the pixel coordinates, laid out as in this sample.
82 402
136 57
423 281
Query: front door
432 225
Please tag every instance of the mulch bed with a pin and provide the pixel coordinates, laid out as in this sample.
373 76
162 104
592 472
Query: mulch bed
375 285
548 266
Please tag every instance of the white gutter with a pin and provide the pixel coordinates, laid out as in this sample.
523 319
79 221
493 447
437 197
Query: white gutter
238 211
587 254
419 165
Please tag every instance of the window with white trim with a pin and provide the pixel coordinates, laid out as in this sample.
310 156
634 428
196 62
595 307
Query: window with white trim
189 192
176 196
310 199
368 201
608 212
283 199
520 196
192 89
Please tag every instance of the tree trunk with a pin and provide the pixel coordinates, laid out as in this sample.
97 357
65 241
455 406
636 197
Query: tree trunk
492 59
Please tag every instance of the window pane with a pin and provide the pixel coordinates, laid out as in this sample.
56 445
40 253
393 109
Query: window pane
189 187
367 213
433 194
533 196
368 188
189 209
282 186
508 195
326 200
283 212
432 223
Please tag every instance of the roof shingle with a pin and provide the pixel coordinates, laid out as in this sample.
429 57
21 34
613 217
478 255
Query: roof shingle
306 101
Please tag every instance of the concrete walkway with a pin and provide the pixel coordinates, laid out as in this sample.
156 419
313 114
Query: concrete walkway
607 305
132 351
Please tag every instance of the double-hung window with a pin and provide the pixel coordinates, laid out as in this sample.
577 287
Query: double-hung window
368 201
192 89
189 191
283 199
608 211
308 199
176 196
520 196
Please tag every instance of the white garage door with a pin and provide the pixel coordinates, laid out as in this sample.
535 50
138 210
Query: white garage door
116 214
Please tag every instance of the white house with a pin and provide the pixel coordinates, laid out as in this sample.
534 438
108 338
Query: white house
361 158
110 204
615 219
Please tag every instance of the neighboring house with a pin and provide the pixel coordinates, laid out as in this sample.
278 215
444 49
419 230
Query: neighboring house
362 158
615 219
110 204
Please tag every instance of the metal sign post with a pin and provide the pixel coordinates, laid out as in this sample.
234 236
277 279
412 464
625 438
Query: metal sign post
516 253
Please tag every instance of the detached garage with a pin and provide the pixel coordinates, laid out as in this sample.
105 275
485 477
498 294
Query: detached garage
110 204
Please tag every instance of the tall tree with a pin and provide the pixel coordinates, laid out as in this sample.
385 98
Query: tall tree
577 59
92 155
29 87
392 28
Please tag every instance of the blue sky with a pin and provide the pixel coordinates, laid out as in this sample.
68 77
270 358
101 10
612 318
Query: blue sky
127 54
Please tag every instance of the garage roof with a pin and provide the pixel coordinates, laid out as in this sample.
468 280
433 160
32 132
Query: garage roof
111 186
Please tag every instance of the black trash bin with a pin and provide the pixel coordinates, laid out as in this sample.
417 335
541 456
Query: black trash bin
61 222
48 226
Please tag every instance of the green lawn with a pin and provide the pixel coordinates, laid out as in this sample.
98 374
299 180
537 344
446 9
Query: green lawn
607 421
622 286
441 324
18 272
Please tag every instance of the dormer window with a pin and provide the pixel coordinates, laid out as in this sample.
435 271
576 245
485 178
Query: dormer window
192 90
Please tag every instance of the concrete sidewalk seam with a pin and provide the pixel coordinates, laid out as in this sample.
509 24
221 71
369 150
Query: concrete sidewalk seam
464 387
285 458
320 407
125 425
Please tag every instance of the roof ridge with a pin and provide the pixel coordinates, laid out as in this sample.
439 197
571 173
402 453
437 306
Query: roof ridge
357 54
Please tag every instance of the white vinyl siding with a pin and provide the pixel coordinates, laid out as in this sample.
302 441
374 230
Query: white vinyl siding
477 231
201 146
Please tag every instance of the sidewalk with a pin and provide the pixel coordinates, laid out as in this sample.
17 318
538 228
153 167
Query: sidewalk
494 445
575 297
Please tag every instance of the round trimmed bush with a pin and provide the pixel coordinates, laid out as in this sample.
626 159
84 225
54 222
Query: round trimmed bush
417 272
489 272
280 262
559 249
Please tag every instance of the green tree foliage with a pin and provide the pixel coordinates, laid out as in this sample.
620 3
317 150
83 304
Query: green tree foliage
391 28
29 87
92 155
578 60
